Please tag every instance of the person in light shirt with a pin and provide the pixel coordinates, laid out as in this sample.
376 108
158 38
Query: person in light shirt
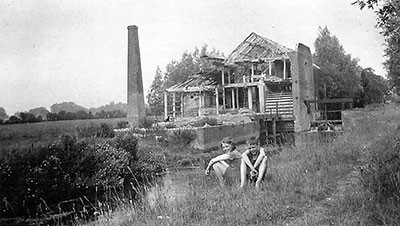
227 162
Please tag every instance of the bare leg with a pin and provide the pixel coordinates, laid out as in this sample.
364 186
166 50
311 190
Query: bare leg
219 170
262 170
243 174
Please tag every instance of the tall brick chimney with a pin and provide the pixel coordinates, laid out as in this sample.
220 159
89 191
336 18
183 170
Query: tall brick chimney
136 107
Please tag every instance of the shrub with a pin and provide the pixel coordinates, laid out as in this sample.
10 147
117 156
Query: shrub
122 124
104 131
126 141
181 137
33 181
146 123
87 131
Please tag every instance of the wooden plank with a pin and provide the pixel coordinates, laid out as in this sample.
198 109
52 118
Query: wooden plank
182 104
165 104
327 101
323 120
223 98
216 100
274 130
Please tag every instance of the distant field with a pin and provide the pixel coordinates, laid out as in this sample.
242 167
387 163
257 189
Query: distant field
47 131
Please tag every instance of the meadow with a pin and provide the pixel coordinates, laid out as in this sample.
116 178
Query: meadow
353 180
17 135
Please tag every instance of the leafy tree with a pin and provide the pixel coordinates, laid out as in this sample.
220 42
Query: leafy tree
81 114
155 96
178 72
190 64
40 111
3 114
388 19
13 120
338 74
52 116
375 87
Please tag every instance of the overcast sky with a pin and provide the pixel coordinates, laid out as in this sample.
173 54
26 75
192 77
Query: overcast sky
76 50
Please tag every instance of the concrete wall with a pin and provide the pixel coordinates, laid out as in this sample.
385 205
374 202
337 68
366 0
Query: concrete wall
302 86
210 137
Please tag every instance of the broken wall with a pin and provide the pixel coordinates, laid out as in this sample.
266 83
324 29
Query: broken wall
302 86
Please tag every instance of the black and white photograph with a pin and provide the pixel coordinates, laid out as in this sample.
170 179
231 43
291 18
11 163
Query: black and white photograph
203 113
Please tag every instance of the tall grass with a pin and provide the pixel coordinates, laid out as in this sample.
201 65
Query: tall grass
317 184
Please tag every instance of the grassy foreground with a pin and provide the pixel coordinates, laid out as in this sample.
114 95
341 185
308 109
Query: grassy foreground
316 184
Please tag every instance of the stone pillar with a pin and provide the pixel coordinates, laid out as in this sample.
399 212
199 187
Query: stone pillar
136 107
302 86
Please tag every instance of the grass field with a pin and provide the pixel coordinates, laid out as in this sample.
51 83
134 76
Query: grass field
313 184
316 184
17 135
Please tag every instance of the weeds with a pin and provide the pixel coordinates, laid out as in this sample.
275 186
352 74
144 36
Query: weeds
146 123
209 121
314 185
181 137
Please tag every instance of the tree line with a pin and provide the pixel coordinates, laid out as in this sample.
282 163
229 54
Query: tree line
338 74
25 117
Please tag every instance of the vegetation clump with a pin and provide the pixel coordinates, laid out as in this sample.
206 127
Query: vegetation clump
102 131
34 181
205 121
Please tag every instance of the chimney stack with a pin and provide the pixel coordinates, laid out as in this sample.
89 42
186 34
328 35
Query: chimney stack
136 107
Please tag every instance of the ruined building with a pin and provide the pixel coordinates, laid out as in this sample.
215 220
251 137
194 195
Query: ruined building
260 77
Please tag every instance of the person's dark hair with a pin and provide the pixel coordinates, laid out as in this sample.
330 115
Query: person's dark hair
228 140
252 141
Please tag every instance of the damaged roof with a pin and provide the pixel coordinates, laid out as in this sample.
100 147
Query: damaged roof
256 47
203 81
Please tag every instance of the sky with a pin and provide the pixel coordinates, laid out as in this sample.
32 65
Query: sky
54 51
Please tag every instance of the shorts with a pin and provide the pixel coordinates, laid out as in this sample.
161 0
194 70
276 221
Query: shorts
232 175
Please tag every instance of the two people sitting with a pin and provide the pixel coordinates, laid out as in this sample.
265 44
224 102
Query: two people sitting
252 163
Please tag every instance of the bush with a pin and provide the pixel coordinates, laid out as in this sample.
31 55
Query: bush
34 180
102 131
87 131
181 137
146 123
122 124
105 131
126 141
